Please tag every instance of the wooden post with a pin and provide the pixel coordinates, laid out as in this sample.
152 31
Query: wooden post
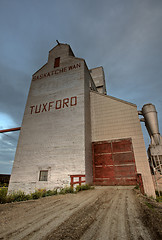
80 181
72 182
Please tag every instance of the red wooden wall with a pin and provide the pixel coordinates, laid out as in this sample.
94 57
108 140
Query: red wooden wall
114 163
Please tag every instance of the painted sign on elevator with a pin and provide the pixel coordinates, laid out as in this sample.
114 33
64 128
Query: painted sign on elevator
57 71
58 104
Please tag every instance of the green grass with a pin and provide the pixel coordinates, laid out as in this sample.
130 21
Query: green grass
149 205
83 187
66 190
3 185
3 194
136 187
21 196
159 196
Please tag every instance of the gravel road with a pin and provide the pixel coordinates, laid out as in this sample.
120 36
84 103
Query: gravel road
105 213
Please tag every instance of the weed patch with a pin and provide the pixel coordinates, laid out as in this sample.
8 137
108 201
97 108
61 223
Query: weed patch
3 194
66 190
136 187
159 196
40 193
3 185
83 187
149 205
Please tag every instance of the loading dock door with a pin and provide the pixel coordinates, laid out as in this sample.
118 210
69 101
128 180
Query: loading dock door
114 163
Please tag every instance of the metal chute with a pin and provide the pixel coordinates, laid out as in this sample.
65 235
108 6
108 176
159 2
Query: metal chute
151 122
155 148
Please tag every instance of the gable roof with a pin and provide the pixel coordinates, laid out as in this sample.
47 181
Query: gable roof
114 98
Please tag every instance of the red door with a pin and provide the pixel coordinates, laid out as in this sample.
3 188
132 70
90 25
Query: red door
114 163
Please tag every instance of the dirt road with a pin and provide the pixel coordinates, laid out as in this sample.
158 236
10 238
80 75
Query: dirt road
101 214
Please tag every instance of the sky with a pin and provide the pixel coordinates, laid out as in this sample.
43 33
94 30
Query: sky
123 36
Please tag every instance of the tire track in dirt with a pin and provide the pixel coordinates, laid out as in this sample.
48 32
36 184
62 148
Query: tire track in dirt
111 226
105 213
122 220
47 214
26 225
136 228
113 216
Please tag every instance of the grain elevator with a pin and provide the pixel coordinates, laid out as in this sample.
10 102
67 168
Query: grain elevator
71 126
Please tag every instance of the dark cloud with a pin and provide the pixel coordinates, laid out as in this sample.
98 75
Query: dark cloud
125 37
14 90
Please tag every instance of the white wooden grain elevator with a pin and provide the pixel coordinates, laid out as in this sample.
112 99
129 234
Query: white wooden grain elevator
71 126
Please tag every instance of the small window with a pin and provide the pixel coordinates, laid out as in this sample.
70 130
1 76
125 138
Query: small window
57 62
43 175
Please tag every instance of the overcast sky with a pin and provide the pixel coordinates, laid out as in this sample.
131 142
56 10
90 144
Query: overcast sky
123 36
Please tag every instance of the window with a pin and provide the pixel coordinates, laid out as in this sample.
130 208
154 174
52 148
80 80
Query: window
57 62
43 176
